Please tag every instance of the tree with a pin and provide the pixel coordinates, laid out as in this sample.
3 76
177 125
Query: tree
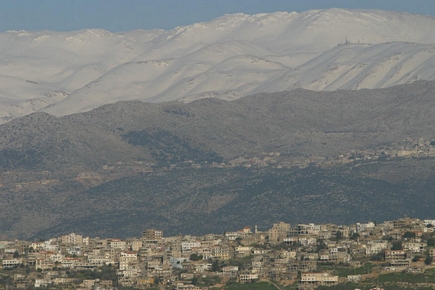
16 254
428 260
409 235
377 257
321 246
195 257
354 236
194 281
387 238
431 242
397 245
215 266
339 235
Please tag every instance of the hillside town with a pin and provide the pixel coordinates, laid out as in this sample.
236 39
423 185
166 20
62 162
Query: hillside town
301 256
409 148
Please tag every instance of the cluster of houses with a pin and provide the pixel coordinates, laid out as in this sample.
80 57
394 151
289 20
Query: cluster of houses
403 149
284 253
409 148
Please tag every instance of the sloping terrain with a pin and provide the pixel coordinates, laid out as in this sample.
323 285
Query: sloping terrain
199 201
230 57
298 122
123 167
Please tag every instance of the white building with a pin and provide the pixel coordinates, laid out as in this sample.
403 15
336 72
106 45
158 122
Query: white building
11 263
188 246
248 278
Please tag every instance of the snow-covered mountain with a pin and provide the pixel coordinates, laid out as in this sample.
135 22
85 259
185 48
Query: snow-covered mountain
229 57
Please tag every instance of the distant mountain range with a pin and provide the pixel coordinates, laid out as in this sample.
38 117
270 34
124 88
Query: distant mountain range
122 167
109 133
299 123
230 57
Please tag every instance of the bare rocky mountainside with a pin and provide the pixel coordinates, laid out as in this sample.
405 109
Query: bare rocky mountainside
214 165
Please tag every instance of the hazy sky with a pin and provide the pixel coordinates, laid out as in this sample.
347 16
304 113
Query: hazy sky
122 15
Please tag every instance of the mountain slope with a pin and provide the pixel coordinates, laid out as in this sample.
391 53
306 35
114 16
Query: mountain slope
229 57
200 201
125 166
360 66
299 123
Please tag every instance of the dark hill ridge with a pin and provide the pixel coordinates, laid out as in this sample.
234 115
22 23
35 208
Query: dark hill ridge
296 123
59 144
200 201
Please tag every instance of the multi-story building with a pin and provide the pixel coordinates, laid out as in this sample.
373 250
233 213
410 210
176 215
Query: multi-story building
11 263
310 280
152 234
247 278
187 247
118 244
72 239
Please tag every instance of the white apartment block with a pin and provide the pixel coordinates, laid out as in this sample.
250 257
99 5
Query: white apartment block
188 246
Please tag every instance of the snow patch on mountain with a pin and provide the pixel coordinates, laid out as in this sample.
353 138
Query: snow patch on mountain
229 57
361 66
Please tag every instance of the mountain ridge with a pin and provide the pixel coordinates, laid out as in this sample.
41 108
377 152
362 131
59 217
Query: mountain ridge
228 57
244 127
216 164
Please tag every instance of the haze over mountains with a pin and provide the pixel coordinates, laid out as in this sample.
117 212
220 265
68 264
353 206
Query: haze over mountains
123 167
296 123
109 133
230 57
